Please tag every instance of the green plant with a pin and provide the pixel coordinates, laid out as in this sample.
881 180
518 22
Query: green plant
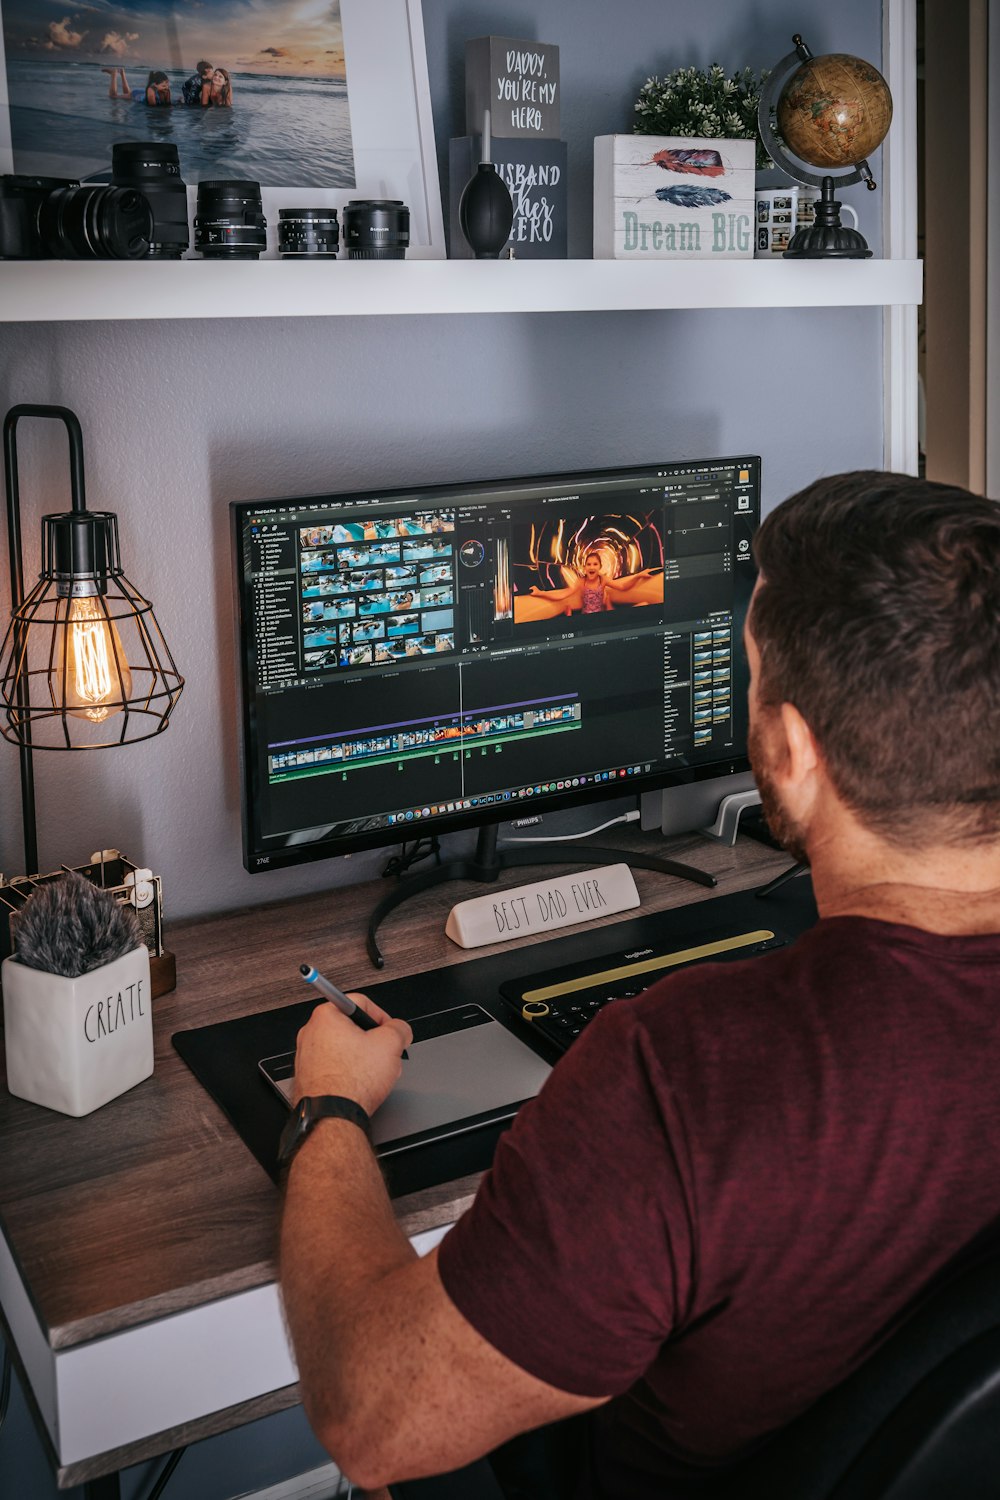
693 102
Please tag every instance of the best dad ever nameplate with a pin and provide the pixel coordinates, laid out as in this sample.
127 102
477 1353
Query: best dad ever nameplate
542 907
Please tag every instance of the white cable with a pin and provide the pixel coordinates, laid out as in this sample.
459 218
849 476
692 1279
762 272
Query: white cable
565 838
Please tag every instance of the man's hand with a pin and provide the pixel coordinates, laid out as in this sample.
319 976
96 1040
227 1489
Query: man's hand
334 1056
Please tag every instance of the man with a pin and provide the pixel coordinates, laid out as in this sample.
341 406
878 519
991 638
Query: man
733 1182
198 88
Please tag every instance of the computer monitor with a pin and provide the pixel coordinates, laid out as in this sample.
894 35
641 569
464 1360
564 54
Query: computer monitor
434 658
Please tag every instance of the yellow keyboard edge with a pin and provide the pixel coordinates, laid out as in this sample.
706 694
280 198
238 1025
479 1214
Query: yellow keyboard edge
647 966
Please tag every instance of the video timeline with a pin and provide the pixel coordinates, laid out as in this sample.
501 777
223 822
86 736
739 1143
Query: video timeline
399 743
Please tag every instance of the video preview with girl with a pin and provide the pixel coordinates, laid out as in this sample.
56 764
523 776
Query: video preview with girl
588 566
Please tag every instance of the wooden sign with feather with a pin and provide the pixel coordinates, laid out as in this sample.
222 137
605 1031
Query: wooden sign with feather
672 198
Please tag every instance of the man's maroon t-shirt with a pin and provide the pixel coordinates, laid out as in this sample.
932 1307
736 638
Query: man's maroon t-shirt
731 1183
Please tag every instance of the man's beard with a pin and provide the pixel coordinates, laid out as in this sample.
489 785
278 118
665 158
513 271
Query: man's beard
789 834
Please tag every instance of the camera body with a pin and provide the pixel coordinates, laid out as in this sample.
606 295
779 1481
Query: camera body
46 218
21 198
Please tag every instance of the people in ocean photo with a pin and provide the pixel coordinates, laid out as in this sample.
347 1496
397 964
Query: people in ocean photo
155 93
221 88
207 86
197 89
242 91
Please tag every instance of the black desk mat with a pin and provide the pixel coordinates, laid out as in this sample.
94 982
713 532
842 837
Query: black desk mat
224 1056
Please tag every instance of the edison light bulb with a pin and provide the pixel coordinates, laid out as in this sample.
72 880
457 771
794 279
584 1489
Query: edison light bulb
97 676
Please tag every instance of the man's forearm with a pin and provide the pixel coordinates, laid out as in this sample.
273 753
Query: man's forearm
396 1382
339 1240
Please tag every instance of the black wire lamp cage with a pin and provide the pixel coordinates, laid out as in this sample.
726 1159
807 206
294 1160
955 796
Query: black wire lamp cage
84 664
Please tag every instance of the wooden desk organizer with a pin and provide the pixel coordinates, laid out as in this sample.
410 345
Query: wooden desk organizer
127 882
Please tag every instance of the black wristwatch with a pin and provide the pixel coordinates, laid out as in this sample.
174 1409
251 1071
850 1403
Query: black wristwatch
308 1112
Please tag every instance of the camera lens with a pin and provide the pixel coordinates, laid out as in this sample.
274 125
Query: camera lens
154 170
308 232
376 228
230 223
94 222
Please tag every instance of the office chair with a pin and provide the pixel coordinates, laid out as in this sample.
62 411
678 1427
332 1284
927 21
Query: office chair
919 1420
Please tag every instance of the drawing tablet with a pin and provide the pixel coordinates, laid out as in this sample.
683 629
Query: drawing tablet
464 1070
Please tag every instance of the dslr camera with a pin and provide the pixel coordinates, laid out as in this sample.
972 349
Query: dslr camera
55 218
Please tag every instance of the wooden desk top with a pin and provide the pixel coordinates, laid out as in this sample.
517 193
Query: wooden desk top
153 1205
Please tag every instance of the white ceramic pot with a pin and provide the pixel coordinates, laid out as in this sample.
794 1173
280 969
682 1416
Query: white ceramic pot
74 1044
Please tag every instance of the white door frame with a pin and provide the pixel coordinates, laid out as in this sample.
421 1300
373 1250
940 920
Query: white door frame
993 251
899 234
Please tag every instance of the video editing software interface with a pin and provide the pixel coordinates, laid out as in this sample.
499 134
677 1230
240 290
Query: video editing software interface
442 657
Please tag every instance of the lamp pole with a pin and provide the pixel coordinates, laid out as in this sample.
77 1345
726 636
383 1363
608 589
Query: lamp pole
75 434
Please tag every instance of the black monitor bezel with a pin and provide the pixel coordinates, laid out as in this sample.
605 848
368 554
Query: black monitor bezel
257 860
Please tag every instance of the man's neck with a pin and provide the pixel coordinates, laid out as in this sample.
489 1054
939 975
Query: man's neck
942 889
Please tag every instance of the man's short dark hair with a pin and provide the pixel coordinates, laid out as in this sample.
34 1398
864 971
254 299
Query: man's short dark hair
878 617
203 67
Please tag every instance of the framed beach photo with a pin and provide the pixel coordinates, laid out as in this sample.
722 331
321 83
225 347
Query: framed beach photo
317 103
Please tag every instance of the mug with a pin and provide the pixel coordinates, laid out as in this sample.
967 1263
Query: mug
780 212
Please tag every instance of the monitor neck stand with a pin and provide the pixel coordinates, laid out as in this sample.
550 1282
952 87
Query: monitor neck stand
486 864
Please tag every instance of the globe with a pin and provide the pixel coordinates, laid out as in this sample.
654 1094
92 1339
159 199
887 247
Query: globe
835 110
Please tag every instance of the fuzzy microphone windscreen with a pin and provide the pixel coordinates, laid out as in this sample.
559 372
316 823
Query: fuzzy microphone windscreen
69 927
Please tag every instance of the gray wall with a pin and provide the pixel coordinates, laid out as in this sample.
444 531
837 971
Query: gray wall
181 417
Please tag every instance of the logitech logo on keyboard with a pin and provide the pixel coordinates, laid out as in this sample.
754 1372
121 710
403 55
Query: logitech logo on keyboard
639 953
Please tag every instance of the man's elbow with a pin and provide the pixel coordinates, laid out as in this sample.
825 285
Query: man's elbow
364 1450
376 1452
359 1464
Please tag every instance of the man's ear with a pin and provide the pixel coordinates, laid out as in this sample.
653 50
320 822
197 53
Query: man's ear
802 757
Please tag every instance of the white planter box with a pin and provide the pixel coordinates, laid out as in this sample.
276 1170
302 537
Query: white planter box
74 1044
650 202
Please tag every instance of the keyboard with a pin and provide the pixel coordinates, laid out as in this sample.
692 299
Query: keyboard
558 1003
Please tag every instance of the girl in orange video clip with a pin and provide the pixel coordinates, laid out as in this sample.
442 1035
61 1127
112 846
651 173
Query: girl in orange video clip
591 592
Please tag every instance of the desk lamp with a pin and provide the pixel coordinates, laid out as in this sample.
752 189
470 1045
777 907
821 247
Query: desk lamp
83 664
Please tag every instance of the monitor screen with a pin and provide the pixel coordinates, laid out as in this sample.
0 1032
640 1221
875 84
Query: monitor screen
434 658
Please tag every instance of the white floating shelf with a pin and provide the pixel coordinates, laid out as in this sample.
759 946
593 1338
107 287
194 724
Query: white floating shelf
73 291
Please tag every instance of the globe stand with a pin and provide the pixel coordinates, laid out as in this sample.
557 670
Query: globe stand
827 238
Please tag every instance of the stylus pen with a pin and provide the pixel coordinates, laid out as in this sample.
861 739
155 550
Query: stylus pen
343 1002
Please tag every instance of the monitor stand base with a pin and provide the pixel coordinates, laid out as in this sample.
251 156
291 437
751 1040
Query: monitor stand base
727 819
486 864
